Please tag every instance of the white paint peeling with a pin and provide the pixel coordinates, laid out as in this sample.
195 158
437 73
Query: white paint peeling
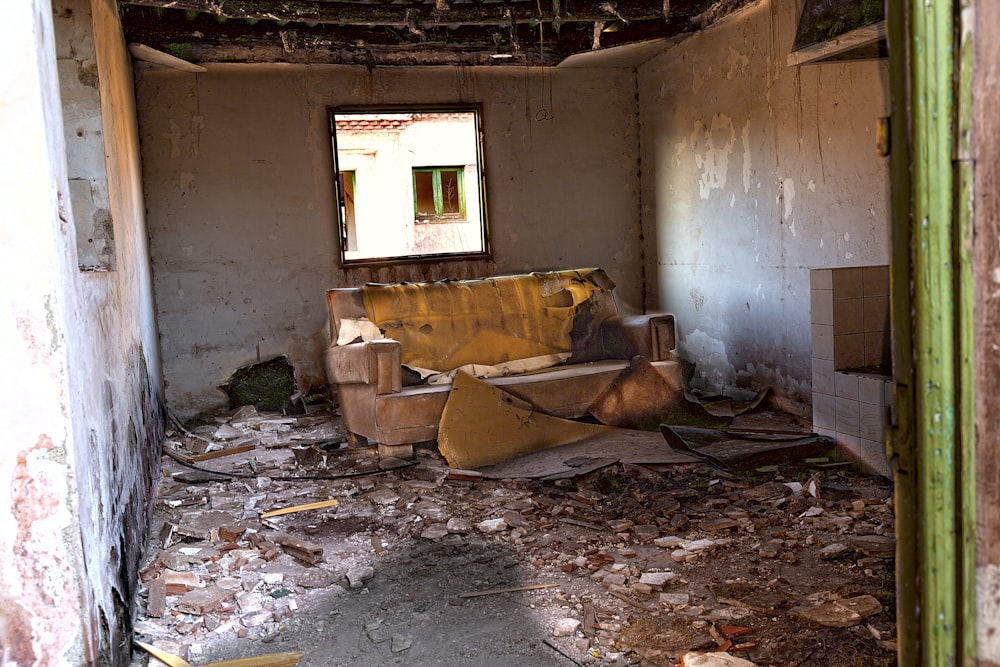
712 368
811 185
732 200
996 274
988 613
788 194
738 63
719 141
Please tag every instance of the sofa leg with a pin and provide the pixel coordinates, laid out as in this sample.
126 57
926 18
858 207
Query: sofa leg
395 451
354 440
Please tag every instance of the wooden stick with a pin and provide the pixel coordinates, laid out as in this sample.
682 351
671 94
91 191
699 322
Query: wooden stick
300 508
584 524
223 452
497 591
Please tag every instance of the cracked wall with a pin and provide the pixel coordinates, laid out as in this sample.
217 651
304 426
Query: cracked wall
238 172
81 399
753 173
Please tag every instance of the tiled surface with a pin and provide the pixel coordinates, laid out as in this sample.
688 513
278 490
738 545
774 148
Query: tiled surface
821 305
873 422
845 385
847 283
855 302
848 316
822 377
870 389
850 329
821 279
824 411
848 417
876 313
822 341
876 348
848 350
875 280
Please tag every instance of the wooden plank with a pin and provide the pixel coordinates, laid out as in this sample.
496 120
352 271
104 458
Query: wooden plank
939 302
965 298
222 452
299 508
900 441
150 55
849 40
513 589
986 262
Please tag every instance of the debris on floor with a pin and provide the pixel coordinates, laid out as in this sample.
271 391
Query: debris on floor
294 540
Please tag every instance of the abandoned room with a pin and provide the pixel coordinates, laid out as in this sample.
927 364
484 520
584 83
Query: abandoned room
500 333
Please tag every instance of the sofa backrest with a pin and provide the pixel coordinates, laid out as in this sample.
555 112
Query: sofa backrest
445 324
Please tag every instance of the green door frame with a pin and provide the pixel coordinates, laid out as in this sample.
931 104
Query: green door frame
932 438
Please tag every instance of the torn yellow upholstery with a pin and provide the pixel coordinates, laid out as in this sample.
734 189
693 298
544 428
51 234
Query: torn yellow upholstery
447 324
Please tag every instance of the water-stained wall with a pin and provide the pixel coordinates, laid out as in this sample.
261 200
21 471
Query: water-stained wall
81 396
238 169
754 172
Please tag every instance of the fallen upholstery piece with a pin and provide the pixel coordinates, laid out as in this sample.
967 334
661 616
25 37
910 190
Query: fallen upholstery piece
482 425
638 398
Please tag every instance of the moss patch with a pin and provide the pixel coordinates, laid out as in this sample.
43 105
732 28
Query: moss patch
267 385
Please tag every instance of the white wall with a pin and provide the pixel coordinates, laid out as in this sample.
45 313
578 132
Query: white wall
237 169
753 173
81 397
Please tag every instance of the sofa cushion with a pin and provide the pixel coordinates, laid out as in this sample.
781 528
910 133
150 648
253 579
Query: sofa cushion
446 324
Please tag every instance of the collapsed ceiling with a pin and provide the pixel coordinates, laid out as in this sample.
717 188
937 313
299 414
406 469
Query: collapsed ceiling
408 32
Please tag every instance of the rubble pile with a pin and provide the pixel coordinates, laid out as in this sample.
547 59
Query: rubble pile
628 564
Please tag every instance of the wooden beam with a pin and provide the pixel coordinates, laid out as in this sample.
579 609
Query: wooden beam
151 55
941 307
402 15
848 41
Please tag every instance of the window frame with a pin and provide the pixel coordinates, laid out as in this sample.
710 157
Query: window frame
480 187
439 214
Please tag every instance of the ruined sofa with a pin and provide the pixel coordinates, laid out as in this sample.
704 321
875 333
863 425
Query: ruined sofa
554 339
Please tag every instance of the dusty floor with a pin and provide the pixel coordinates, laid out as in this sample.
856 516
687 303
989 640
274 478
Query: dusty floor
640 563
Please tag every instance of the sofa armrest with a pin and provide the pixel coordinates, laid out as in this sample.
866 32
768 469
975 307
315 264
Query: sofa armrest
377 362
652 336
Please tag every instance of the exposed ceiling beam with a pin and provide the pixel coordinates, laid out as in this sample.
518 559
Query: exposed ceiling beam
409 32
404 14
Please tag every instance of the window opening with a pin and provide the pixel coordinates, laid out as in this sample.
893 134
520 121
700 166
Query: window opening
397 171
439 194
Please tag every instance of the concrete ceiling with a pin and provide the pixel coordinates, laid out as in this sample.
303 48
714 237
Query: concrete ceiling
409 32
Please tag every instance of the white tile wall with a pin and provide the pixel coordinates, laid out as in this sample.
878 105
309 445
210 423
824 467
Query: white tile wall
849 407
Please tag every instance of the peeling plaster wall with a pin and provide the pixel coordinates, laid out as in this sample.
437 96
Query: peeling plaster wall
238 168
81 401
753 173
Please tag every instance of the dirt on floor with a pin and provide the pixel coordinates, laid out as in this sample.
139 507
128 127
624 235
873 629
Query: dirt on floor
782 565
